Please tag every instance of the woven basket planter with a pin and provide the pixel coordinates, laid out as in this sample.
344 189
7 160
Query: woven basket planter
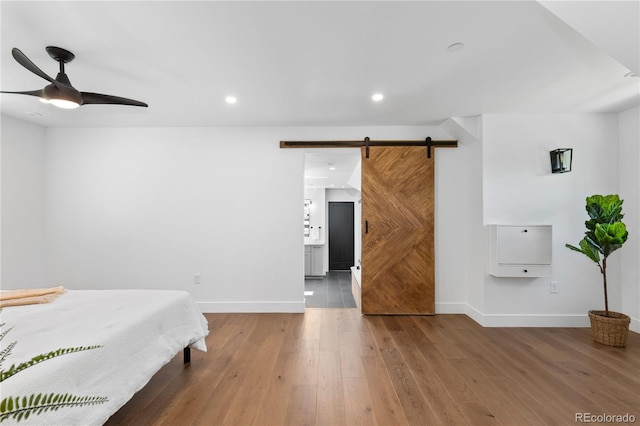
612 330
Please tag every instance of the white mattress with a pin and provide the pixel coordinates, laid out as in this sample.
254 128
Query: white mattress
139 330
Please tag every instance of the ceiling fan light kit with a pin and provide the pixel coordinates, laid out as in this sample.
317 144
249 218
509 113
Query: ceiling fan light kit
64 103
60 92
56 97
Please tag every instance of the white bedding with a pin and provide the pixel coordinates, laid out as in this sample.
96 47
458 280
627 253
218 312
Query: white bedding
139 330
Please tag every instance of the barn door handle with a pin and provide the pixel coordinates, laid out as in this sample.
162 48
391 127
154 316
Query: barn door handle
366 226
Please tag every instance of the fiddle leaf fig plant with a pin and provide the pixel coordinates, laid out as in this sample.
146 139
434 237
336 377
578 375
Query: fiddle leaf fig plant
605 233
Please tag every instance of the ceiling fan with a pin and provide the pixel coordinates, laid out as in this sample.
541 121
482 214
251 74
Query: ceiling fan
60 92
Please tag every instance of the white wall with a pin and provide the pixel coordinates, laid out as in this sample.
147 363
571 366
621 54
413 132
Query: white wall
519 188
629 176
148 208
22 195
460 281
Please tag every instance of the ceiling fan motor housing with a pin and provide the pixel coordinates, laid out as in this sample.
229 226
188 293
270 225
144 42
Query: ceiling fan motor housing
51 91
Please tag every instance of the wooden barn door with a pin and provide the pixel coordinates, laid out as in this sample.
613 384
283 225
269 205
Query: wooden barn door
398 255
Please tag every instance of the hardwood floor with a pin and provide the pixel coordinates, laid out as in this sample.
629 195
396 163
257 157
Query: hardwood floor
337 367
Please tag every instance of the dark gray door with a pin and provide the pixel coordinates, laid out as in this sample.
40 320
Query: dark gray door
340 235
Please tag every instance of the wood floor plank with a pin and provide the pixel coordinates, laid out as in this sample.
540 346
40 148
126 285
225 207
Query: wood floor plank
240 412
470 404
337 367
225 391
523 385
358 403
442 407
273 408
444 335
298 368
550 395
381 334
411 398
353 347
590 354
207 376
256 380
387 407
349 320
294 338
302 406
330 398
603 391
498 403
537 407
555 377
233 333
329 331
508 375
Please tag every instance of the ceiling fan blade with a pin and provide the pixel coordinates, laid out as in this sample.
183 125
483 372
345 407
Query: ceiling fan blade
26 62
38 93
97 98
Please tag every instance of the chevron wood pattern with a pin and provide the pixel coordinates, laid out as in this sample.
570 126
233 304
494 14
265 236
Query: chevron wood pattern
398 261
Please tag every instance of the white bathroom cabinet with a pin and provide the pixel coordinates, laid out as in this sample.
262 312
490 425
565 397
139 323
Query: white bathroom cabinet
313 261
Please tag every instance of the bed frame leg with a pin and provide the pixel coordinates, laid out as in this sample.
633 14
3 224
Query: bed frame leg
186 355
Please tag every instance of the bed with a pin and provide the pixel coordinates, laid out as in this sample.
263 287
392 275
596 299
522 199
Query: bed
137 331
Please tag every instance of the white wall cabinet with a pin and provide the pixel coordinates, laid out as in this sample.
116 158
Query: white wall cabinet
313 261
520 251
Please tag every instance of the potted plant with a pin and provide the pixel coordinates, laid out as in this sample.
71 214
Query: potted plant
605 234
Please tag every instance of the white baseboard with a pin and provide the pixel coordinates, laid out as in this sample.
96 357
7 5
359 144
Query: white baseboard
527 320
485 320
474 314
251 307
451 308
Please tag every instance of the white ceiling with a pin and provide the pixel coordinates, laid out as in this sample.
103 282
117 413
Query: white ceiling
331 168
318 63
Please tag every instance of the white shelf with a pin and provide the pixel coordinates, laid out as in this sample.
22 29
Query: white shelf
520 250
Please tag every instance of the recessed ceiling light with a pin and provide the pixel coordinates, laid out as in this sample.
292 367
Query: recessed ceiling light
377 97
631 74
33 114
455 47
331 166
231 99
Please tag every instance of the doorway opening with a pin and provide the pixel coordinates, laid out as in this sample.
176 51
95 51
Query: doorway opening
331 181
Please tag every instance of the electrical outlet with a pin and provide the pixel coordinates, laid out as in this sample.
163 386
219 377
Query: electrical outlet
196 278
553 288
